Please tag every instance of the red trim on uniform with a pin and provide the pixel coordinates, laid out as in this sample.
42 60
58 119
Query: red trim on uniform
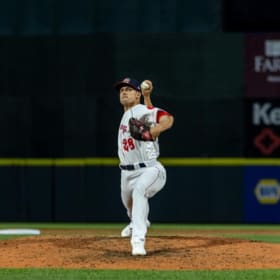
161 113
150 107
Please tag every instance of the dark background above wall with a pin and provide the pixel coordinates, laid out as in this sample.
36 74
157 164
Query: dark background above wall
58 98
251 16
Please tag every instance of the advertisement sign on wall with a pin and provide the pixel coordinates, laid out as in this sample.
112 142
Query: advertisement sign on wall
262 127
262 65
262 194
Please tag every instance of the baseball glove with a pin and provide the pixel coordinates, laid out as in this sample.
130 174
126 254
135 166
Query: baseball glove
139 130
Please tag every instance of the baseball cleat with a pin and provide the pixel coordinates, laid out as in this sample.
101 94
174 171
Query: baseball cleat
127 231
138 249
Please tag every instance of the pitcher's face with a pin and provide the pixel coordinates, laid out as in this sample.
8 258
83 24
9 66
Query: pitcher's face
129 96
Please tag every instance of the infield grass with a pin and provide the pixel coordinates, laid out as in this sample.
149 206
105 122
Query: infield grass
165 226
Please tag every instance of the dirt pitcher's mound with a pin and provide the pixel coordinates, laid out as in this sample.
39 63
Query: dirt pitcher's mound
113 252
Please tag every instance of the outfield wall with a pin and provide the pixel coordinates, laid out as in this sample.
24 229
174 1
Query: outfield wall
204 190
92 194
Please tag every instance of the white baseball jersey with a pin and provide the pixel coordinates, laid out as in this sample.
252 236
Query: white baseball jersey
132 151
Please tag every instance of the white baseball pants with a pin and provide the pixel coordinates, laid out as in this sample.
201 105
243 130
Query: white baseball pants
137 187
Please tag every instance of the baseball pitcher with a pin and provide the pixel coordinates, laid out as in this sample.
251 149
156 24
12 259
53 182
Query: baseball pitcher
142 175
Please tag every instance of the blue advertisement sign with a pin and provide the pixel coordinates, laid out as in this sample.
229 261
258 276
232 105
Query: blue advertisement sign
262 194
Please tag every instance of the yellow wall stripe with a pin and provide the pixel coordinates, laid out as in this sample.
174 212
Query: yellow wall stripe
114 161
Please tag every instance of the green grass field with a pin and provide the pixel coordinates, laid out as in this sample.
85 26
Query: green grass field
65 274
61 274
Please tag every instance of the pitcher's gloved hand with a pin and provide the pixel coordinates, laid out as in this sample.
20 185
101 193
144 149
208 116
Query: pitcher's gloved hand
139 130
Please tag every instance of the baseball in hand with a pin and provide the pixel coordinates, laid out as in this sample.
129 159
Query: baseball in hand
145 85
